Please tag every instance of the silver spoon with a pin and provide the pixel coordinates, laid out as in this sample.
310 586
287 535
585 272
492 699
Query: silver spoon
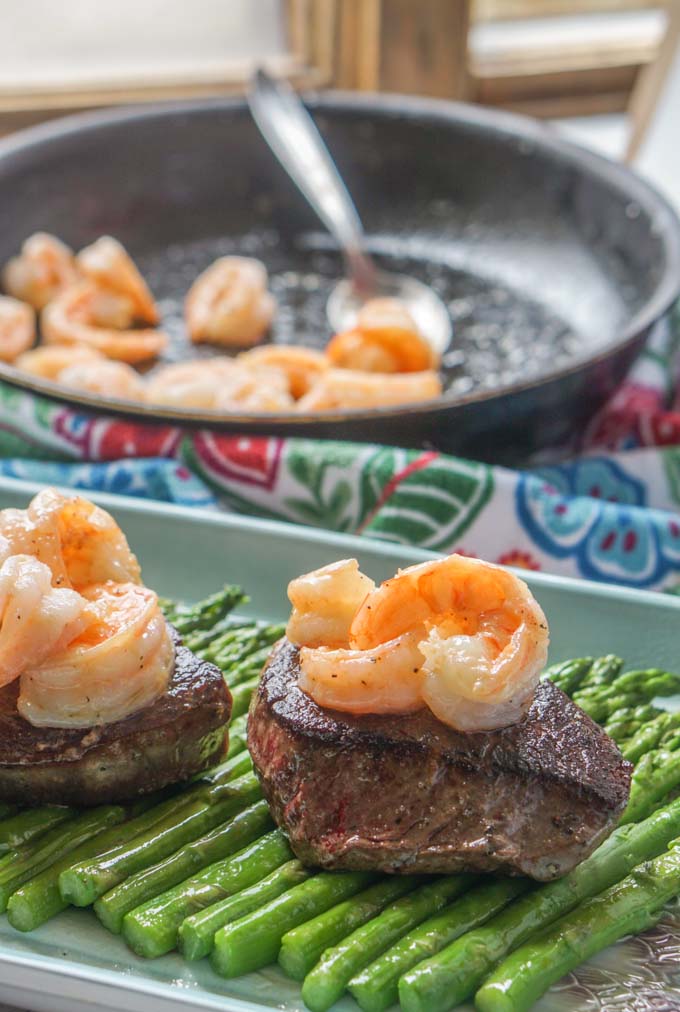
291 134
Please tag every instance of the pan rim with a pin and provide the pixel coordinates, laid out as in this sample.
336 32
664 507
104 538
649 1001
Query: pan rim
507 124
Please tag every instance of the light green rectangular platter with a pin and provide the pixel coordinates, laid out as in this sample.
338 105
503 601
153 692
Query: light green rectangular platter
73 964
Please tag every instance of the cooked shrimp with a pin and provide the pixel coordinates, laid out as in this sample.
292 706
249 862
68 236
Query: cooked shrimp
86 315
363 681
120 663
324 604
48 361
109 266
262 389
302 366
346 388
229 303
113 379
79 542
384 339
481 636
35 617
220 384
44 268
17 327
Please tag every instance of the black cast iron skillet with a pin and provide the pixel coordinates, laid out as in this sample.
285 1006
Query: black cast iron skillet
556 264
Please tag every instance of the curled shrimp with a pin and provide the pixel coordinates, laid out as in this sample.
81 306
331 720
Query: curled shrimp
348 389
481 637
112 379
221 384
325 603
229 303
363 681
384 339
121 662
302 366
79 542
17 328
35 617
49 360
109 266
262 389
44 268
87 315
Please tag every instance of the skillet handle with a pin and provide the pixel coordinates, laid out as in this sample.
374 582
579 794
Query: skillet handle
293 137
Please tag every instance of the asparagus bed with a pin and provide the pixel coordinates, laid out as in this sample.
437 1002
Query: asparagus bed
628 907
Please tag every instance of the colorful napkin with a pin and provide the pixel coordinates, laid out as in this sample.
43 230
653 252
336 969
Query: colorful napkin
612 513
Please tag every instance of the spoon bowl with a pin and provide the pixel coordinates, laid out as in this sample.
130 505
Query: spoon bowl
424 305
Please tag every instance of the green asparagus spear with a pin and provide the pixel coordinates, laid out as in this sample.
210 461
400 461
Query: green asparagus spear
222 841
186 820
649 735
246 669
227 630
206 613
603 671
254 941
242 695
449 978
197 933
302 947
375 988
329 978
655 775
39 899
28 861
626 908
600 702
237 736
625 722
569 675
151 929
648 682
29 824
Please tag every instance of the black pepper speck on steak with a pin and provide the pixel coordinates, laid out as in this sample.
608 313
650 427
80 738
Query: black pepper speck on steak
408 793
182 733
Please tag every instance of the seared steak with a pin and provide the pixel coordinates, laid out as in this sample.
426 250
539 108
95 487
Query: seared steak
408 793
182 733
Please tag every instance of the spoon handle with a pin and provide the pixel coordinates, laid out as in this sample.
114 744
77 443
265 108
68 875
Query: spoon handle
293 137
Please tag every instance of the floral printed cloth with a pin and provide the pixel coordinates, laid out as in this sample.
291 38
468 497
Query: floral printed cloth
612 513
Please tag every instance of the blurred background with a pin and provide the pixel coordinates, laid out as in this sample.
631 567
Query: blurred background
604 72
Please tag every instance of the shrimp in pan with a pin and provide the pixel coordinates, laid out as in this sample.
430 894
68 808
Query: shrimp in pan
87 315
461 636
109 266
49 360
385 339
347 388
229 304
17 328
44 268
111 379
302 366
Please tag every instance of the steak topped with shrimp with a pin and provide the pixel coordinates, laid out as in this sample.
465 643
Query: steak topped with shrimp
98 699
404 728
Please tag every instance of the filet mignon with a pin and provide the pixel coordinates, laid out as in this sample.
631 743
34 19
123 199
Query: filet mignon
182 733
408 793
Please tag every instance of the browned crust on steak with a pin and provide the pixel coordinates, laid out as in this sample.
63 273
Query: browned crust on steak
408 793
182 733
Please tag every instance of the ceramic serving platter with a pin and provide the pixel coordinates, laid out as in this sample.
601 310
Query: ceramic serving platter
72 963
